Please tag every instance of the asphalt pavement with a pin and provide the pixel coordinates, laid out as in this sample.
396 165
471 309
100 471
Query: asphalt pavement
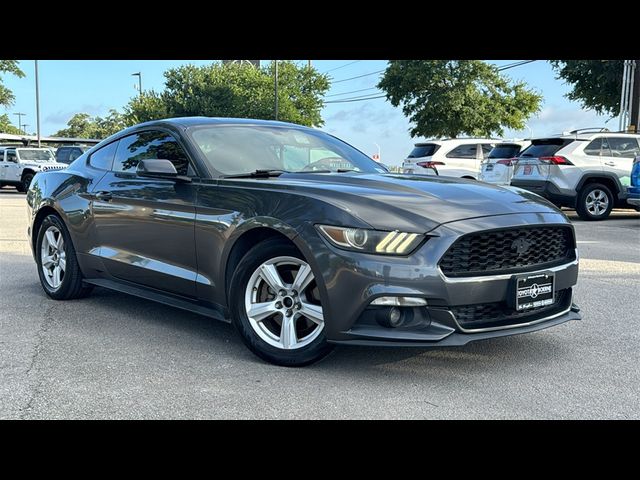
116 356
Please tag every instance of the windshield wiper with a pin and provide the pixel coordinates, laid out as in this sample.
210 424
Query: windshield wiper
339 170
257 174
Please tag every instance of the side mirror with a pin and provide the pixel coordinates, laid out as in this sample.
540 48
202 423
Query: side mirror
156 168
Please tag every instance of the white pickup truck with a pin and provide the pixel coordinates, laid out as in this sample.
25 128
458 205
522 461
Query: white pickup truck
18 165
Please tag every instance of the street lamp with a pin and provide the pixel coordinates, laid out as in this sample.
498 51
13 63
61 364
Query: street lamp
20 115
139 75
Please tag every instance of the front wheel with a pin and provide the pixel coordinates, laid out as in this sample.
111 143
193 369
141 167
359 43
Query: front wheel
26 182
276 306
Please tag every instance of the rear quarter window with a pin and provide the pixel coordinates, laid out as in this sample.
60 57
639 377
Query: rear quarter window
102 159
427 150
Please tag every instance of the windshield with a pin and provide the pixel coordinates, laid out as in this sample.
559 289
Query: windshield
426 150
238 149
35 155
504 151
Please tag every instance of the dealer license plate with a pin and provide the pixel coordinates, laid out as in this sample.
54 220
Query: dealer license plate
534 291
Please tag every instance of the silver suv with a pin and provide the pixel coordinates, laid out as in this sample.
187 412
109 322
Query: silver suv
583 170
19 165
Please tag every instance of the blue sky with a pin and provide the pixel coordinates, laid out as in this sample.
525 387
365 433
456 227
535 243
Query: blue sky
95 86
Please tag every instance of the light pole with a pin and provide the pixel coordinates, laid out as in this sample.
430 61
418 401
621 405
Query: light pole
24 126
37 105
275 87
378 150
20 115
139 75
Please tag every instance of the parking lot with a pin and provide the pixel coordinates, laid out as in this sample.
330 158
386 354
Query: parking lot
116 356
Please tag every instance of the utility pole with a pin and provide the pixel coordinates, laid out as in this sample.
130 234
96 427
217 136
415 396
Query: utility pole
275 87
139 75
24 126
634 111
37 106
20 115
309 64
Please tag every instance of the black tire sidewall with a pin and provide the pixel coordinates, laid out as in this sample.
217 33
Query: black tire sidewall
25 185
65 288
582 207
262 252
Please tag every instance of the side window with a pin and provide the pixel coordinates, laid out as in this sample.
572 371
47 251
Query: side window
62 155
598 147
624 147
464 151
75 153
103 158
11 156
486 148
152 144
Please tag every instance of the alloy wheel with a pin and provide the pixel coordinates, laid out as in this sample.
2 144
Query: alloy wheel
597 202
282 303
53 257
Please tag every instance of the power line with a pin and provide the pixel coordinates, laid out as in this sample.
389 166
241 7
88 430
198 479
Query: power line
515 64
356 99
342 66
359 76
352 91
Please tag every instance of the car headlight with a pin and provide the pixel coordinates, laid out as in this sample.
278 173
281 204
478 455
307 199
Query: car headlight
371 241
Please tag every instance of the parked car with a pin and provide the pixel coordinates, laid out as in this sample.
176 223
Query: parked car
633 193
222 217
19 165
68 153
585 170
498 167
458 157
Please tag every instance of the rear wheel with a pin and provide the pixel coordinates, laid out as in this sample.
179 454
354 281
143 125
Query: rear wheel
595 202
276 306
58 267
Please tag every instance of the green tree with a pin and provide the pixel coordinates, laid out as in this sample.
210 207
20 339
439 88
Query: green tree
234 90
7 127
450 98
595 84
83 125
8 66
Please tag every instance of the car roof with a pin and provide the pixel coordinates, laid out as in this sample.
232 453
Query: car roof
197 121
453 140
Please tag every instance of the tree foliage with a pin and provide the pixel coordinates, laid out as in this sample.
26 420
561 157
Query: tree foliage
7 127
8 66
595 84
234 90
83 125
451 98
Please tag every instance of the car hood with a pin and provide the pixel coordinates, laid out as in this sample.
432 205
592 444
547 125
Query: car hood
414 203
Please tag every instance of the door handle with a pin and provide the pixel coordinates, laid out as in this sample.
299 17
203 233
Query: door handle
104 196
611 164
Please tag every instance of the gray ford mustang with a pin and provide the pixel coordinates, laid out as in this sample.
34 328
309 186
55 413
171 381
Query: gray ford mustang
300 240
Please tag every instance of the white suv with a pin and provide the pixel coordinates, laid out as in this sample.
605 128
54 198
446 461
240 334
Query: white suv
458 157
19 165
498 167
583 170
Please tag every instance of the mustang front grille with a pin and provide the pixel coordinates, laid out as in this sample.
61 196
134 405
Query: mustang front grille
508 250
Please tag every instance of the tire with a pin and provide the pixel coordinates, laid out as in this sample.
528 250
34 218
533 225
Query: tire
26 182
595 202
70 284
263 332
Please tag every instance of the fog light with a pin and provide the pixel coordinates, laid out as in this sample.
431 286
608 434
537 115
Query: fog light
399 302
395 317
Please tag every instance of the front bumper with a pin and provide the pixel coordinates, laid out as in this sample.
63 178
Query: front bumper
351 281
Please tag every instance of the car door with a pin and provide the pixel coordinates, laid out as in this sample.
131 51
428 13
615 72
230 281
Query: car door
11 170
622 151
145 227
